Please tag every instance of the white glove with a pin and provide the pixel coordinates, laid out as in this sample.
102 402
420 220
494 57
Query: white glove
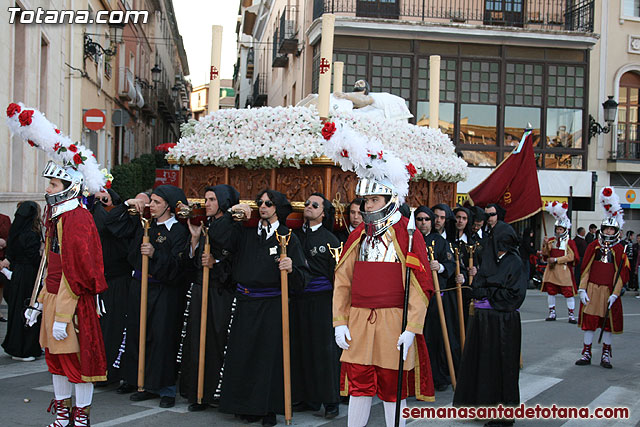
612 299
584 299
406 339
31 314
342 335
59 331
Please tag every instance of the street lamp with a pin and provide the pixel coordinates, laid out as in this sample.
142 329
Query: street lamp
155 74
610 110
174 90
116 32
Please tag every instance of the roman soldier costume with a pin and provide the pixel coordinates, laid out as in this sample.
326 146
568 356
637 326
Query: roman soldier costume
562 255
369 287
70 332
600 304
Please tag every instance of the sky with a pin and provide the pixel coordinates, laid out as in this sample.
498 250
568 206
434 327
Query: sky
195 18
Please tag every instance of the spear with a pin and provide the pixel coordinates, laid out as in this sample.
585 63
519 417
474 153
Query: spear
615 279
411 228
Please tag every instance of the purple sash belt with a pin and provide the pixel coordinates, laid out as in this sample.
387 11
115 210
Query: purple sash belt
258 292
319 284
137 274
482 304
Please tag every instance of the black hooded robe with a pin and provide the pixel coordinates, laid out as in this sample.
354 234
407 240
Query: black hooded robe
219 305
117 272
252 383
23 251
490 366
166 295
315 374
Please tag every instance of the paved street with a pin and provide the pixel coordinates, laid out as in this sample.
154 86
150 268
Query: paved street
549 376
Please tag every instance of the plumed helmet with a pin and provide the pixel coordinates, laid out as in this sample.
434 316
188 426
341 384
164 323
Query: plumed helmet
68 175
559 212
613 216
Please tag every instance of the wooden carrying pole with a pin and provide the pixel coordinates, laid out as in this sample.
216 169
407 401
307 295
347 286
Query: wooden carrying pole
286 359
460 307
471 249
443 324
203 316
144 288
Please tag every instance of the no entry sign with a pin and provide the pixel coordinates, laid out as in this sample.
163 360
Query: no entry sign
94 119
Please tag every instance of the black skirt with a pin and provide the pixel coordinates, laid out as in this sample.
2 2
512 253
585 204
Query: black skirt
314 371
253 379
114 320
218 316
21 340
490 366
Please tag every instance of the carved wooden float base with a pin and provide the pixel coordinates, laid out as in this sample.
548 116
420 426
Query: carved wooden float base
299 184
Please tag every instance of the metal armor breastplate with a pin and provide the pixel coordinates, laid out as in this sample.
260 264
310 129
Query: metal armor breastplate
378 249
604 255
562 243
60 208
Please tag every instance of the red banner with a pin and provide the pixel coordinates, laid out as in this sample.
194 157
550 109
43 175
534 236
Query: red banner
513 184
167 176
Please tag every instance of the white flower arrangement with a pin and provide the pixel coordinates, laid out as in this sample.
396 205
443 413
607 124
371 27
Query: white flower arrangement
271 137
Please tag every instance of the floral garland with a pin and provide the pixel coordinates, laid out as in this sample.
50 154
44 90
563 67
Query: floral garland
271 137
32 126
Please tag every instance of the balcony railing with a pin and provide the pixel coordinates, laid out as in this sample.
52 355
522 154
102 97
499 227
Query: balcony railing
287 31
627 150
259 95
548 15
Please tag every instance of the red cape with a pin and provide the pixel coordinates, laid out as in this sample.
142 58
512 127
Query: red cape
81 253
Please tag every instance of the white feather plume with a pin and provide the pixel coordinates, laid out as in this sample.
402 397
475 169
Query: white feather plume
41 133
367 158
611 205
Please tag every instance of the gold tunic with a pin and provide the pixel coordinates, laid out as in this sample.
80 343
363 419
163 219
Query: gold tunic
375 332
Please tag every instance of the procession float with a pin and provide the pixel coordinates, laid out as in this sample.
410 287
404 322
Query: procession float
286 148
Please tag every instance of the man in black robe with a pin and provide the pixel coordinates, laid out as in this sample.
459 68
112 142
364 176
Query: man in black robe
218 199
489 372
355 219
117 272
253 384
444 265
444 220
314 354
167 252
462 240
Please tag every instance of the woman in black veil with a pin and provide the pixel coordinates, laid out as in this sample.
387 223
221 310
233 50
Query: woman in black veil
23 252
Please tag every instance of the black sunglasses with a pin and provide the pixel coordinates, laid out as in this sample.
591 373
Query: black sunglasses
267 203
104 199
423 219
314 204
492 214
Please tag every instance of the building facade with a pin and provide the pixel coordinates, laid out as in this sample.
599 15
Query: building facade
200 97
504 65
67 69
